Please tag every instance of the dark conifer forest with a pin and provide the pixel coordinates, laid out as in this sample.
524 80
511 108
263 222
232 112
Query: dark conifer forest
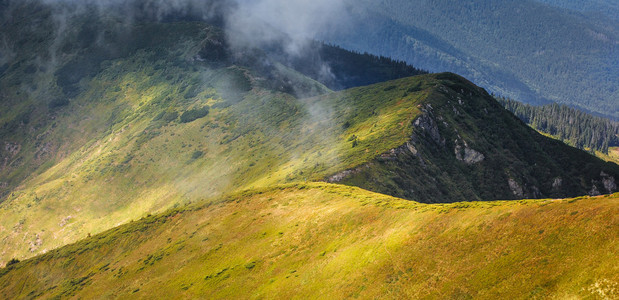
575 127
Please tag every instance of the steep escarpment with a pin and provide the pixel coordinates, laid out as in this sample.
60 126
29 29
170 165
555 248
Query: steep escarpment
464 146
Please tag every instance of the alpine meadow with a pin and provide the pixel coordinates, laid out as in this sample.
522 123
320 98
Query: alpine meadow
271 149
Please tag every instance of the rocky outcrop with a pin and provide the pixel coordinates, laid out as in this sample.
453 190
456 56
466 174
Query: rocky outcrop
609 182
12 148
515 188
464 146
605 184
425 123
344 174
466 154
557 183
594 191
34 245
65 220
7 153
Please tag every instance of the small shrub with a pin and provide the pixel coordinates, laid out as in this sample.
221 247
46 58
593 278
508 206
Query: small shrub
192 92
58 102
31 69
389 88
197 154
169 116
250 265
194 114
12 262
354 139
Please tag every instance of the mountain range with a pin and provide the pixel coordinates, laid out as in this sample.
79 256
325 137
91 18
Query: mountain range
531 51
151 150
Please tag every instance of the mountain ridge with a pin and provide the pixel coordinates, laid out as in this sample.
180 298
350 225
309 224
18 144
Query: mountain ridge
338 241
461 140
289 140
526 50
154 115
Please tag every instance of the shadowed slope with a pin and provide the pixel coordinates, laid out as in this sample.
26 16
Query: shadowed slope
464 146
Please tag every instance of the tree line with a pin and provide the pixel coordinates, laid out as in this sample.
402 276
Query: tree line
572 126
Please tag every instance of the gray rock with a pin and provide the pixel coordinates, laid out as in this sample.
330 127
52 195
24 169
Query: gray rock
466 154
515 187
427 124
556 184
609 183
594 191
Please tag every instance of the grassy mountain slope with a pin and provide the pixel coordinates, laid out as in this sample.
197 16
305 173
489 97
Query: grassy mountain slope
612 156
525 50
104 120
49 60
465 146
151 160
332 241
122 147
151 115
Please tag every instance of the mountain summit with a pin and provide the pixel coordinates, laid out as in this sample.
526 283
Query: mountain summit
464 146
161 114
158 149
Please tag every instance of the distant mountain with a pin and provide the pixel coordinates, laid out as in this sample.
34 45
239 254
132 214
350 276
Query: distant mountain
595 8
525 50
104 121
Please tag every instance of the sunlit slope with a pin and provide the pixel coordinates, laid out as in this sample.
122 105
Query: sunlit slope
94 133
148 158
431 138
612 156
332 241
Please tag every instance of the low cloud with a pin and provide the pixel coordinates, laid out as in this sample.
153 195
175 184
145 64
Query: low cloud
248 23
291 23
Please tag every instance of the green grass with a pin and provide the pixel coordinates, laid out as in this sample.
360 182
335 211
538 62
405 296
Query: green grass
461 115
103 138
121 148
138 157
332 241
612 156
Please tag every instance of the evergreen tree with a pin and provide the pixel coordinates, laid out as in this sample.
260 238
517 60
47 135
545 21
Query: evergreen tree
570 125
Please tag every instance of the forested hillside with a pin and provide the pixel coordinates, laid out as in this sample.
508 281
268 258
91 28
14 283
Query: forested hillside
525 50
350 68
570 125
596 8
